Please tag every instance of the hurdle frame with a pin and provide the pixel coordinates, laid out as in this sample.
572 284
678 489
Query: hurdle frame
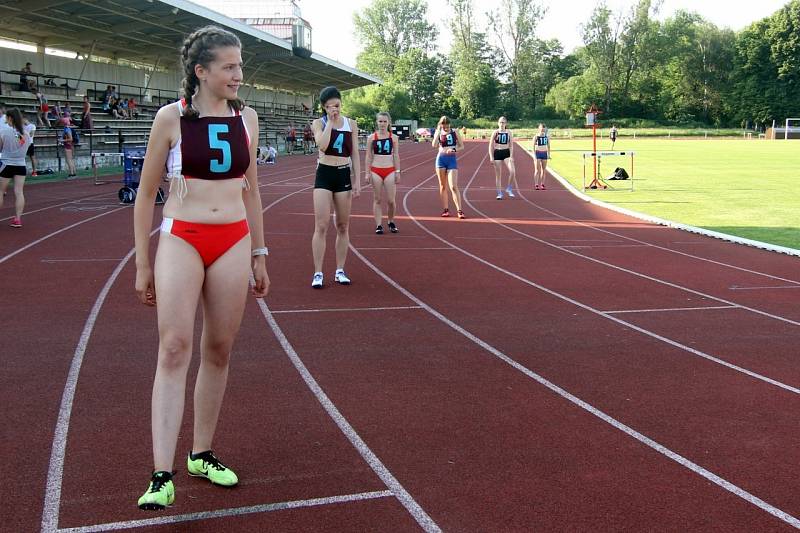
94 156
599 157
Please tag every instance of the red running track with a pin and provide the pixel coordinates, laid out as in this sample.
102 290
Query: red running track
543 365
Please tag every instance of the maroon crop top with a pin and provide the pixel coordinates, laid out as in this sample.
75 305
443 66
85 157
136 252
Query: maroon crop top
341 142
448 140
382 146
214 148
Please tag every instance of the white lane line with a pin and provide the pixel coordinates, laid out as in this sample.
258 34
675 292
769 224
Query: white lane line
52 500
623 269
683 461
56 205
489 239
603 245
668 309
735 288
53 234
78 260
222 513
358 443
664 248
345 310
55 471
407 248
647 441
596 311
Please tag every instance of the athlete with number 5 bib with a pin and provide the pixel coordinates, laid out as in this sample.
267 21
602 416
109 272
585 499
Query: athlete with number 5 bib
337 139
210 243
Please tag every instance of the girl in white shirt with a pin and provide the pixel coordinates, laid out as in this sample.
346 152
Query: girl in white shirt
14 142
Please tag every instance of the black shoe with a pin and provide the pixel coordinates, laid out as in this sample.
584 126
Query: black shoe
379 230
393 228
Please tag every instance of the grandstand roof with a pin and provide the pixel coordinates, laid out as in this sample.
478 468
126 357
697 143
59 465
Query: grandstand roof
153 30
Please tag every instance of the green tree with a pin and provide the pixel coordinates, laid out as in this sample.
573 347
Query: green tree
601 44
475 84
425 79
388 29
514 24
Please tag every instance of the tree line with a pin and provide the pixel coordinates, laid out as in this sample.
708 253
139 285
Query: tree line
682 70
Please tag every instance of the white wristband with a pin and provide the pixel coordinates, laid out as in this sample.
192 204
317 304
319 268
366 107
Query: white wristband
260 251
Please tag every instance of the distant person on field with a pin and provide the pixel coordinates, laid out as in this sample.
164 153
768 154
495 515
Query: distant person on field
612 134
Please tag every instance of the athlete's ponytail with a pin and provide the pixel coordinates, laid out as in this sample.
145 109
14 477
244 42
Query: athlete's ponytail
16 120
198 49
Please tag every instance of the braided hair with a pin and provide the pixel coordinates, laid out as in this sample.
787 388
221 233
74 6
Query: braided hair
198 49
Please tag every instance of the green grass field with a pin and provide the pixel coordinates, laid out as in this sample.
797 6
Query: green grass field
748 188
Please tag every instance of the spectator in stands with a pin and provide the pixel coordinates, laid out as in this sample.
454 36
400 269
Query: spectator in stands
68 141
308 138
122 108
13 145
57 110
107 97
43 108
67 111
2 115
30 129
86 120
132 110
267 154
113 108
291 138
26 83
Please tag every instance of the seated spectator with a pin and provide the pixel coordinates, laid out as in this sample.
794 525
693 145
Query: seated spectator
122 108
67 111
132 110
57 111
267 155
113 108
26 83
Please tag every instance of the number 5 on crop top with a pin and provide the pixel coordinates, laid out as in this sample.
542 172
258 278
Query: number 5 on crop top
215 143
